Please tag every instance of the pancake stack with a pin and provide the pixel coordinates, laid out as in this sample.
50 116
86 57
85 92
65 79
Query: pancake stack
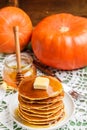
40 107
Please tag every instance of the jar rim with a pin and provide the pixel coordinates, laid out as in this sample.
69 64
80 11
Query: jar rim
24 56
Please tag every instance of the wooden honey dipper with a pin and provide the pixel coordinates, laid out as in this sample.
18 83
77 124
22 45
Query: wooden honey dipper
19 75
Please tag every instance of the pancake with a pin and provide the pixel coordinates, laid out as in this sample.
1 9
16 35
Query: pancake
41 119
44 123
50 108
26 89
42 111
40 114
43 101
41 107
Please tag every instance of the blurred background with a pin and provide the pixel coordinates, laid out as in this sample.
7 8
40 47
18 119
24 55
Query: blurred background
38 9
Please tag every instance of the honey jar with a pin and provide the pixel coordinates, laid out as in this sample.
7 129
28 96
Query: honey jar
9 71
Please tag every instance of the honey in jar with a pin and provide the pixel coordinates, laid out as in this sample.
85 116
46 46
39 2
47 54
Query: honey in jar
9 72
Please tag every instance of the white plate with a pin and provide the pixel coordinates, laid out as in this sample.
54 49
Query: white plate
69 109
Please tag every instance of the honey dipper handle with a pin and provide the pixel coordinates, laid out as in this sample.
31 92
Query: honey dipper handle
17 44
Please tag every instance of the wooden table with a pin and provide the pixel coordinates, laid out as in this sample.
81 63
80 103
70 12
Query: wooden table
38 9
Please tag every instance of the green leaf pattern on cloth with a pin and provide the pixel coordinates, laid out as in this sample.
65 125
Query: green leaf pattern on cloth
3 106
76 79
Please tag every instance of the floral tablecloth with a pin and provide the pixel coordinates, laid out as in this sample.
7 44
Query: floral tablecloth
76 79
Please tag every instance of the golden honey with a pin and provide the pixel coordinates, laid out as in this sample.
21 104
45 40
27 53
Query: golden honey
10 69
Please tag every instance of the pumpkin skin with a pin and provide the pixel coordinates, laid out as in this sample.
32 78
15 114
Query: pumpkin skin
10 17
60 41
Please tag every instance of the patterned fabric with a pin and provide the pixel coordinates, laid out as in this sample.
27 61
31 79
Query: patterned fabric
76 79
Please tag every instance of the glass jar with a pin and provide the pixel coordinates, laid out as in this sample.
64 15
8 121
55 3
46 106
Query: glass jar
9 73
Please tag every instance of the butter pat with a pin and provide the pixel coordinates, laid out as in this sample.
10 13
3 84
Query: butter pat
41 83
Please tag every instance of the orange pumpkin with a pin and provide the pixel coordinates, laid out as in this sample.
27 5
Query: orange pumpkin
60 41
10 17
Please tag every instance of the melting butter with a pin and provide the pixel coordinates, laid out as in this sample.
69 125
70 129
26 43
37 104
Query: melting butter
41 83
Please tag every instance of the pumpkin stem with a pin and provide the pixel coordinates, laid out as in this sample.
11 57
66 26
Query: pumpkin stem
64 29
13 2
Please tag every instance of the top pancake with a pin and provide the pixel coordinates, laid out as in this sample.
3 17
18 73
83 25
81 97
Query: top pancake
26 89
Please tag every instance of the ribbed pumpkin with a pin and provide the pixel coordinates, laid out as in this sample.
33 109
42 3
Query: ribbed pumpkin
10 17
60 41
